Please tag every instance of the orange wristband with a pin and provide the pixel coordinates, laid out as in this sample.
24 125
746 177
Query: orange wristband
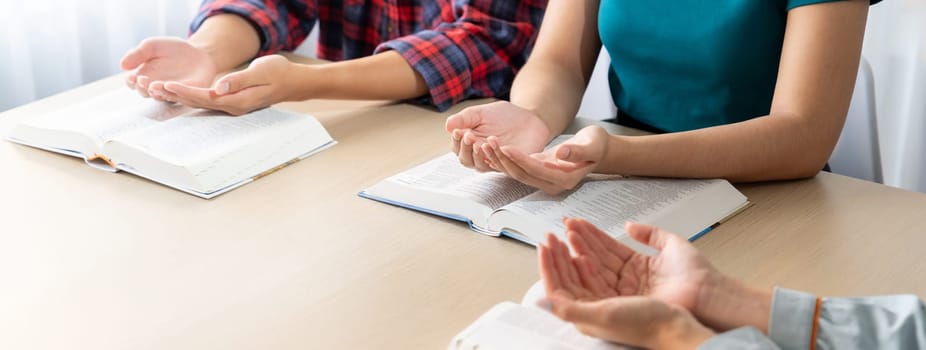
816 324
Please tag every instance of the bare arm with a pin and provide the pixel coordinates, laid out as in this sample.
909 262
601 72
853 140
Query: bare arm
553 80
383 76
228 39
819 61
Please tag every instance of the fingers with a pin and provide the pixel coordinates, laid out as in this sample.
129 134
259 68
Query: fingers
460 127
479 161
592 279
581 247
238 81
551 181
156 90
646 234
466 149
141 85
489 153
514 170
234 104
604 240
456 139
563 264
548 273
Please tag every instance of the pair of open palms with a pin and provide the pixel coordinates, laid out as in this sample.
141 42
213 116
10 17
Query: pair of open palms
613 292
173 70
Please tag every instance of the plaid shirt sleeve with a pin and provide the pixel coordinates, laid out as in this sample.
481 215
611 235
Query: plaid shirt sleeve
280 24
474 51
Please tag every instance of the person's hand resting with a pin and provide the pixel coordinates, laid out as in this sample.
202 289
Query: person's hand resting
266 81
159 60
556 169
639 321
509 124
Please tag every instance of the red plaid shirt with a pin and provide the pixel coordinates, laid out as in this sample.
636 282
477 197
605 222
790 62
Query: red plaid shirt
462 48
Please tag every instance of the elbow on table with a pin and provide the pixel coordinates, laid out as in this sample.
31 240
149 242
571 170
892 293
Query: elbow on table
805 165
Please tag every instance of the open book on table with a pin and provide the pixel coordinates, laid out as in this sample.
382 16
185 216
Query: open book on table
201 152
509 325
495 204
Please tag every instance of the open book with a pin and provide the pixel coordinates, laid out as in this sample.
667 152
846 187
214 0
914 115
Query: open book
508 325
495 204
201 152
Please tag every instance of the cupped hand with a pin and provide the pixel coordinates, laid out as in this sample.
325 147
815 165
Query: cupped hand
509 124
556 169
266 81
602 267
635 320
159 60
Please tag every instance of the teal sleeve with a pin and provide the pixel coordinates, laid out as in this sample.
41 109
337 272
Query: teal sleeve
798 3
884 322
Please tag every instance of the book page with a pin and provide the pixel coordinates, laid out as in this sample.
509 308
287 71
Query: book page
445 174
217 149
513 326
607 203
107 116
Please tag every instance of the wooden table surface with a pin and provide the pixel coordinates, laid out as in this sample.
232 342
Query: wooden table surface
93 260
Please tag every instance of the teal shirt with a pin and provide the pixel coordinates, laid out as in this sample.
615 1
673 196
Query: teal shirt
680 65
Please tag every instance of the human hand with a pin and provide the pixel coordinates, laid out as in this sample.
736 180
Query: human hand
266 81
679 275
635 320
554 170
511 126
159 60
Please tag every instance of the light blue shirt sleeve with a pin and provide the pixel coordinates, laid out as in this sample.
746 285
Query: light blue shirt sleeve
883 322
746 338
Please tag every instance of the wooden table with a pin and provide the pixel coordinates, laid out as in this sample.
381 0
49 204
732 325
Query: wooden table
92 260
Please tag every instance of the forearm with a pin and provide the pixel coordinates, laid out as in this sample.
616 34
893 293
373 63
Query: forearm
765 148
553 80
384 76
549 91
229 39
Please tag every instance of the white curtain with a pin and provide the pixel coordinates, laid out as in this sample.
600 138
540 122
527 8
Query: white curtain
49 46
895 45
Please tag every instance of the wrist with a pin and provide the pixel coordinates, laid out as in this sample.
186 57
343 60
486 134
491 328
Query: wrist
682 332
611 158
725 303
303 83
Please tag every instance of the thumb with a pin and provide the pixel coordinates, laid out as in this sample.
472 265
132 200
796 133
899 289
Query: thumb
468 118
237 81
141 54
574 153
648 235
570 310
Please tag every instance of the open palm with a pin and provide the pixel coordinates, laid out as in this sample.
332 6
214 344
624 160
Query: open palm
510 125
602 267
157 61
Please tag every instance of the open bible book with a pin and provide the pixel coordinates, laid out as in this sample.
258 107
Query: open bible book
495 204
201 152
508 325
